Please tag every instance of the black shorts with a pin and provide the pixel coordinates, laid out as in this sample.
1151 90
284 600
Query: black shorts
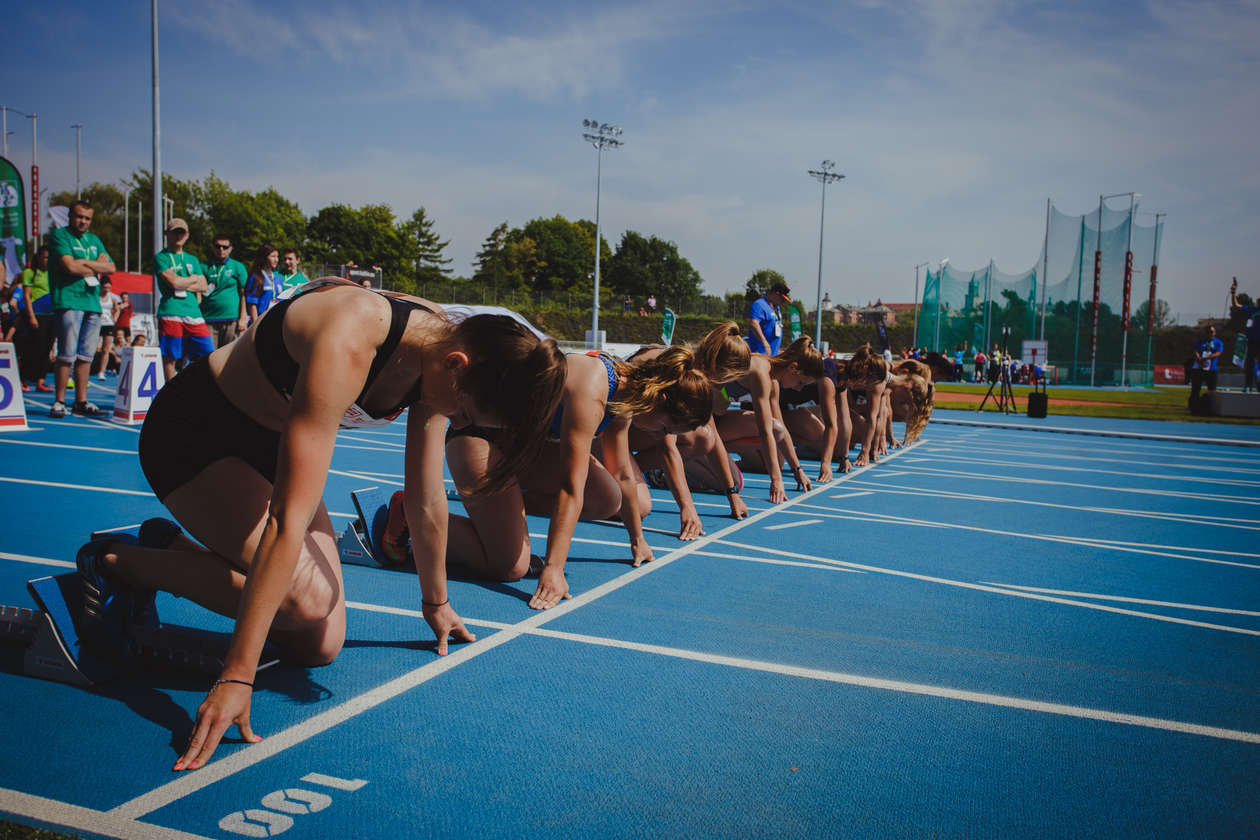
487 434
191 425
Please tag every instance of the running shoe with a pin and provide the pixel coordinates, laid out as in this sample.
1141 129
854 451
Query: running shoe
108 608
42 388
58 409
26 389
158 532
395 538
87 409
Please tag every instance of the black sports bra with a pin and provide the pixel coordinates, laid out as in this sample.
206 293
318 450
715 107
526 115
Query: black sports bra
281 369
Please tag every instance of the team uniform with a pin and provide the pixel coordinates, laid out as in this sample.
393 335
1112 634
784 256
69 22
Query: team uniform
183 332
221 304
771 327
75 300
268 292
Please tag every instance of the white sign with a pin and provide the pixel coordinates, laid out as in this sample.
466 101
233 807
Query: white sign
139 380
12 406
1035 351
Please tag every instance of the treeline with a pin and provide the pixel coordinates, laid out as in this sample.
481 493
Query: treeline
551 257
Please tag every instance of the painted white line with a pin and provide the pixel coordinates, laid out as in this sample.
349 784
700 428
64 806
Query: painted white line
891 474
999 590
42 561
246 757
67 446
1163 476
798 523
1219 464
364 477
827 566
1196 607
85 819
65 486
343 515
851 495
1100 433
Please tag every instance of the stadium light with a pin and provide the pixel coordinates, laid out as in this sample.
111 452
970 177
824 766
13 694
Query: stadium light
78 148
601 136
824 176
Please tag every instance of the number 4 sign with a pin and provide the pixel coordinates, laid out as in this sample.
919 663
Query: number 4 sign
12 406
140 379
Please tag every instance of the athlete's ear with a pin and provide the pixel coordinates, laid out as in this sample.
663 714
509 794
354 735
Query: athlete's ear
456 361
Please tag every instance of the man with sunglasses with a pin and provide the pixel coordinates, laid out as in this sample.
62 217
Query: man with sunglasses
223 304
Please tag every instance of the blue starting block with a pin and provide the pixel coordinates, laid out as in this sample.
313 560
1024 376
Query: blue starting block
360 543
60 645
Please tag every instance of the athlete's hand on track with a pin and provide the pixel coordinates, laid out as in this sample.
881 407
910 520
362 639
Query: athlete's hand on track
738 509
824 474
226 704
690 526
642 553
802 480
862 460
777 493
445 622
552 589
845 466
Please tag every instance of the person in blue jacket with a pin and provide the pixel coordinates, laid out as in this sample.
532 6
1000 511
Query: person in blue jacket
765 330
1207 355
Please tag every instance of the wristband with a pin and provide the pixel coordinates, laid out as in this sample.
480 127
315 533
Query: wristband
220 682
443 604
733 491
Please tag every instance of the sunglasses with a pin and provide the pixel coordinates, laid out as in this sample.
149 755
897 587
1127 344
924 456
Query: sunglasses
223 247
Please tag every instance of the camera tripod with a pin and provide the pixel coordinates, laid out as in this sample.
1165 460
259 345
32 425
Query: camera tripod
1005 398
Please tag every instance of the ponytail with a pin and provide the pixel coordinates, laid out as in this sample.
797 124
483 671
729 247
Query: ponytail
669 382
723 355
803 353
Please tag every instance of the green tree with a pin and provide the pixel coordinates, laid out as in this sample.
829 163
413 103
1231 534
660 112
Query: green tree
188 205
251 219
562 255
338 234
430 264
490 265
652 266
1163 314
761 280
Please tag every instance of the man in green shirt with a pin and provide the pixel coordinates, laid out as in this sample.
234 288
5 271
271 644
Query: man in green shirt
289 274
183 333
77 260
35 330
223 304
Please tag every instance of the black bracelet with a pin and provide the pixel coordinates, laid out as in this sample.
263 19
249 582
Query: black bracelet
734 491
443 604
218 683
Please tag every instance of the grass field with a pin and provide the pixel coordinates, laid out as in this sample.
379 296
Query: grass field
1164 403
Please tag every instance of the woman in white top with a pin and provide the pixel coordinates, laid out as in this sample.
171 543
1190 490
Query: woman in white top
110 304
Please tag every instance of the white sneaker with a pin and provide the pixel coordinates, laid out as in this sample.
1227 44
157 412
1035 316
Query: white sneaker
58 409
100 376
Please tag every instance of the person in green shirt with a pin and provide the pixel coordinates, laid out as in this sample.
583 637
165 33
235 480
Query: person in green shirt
223 304
289 274
77 259
35 332
183 333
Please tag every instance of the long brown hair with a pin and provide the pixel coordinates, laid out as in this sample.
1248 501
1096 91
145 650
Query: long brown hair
723 355
257 267
865 367
803 353
922 400
517 378
669 382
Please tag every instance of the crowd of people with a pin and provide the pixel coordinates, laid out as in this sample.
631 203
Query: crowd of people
264 366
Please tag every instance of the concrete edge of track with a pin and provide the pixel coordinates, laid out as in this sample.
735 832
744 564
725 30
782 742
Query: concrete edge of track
1026 427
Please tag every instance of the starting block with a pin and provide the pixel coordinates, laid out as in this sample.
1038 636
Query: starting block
360 543
60 646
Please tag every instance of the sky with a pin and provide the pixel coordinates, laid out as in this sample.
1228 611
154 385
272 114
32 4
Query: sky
953 121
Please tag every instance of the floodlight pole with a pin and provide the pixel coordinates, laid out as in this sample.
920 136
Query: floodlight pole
127 228
158 242
914 334
4 129
824 176
78 149
601 136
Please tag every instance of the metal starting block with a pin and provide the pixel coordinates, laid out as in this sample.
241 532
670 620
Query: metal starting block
360 543
58 644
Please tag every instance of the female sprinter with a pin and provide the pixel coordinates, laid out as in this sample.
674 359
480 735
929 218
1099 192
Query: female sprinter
238 448
759 436
700 456
875 387
817 418
603 397
910 397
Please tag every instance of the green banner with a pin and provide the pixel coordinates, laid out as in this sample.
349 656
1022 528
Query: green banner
667 327
794 318
12 219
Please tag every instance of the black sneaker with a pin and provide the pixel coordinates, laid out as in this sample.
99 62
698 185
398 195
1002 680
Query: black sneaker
87 409
58 409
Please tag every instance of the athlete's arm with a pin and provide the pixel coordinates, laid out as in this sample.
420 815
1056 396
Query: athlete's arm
827 408
615 442
689 521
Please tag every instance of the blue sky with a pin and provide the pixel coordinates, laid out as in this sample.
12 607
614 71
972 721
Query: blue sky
953 122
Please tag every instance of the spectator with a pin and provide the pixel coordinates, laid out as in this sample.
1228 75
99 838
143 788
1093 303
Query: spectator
959 353
34 335
627 305
766 322
290 277
1252 331
651 303
109 313
264 285
77 258
11 298
1207 354
140 340
978 372
122 323
223 304
182 333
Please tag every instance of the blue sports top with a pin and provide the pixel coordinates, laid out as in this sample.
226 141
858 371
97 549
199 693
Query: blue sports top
558 417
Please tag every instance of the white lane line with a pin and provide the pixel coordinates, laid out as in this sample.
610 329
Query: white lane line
1196 607
65 486
891 519
891 474
984 698
68 446
1219 465
85 819
798 523
71 419
364 477
962 584
774 562
851 495
42 561
1102 433
1164 476
189 783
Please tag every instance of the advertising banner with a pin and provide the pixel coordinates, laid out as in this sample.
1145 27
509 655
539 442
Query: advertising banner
12 219
667 327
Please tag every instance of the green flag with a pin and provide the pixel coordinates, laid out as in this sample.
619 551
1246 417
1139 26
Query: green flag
667 327
794 318
12 219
